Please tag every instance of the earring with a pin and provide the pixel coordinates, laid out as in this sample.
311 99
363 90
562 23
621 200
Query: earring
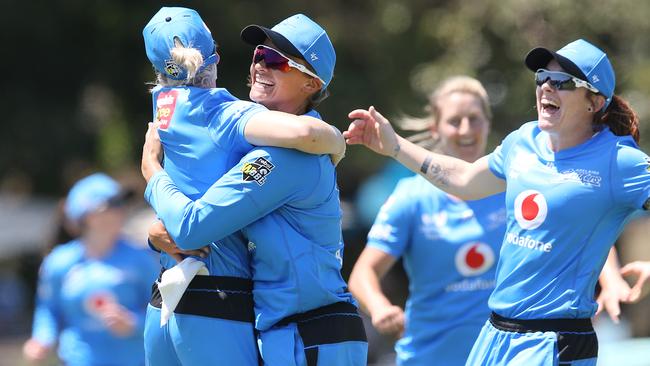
589 109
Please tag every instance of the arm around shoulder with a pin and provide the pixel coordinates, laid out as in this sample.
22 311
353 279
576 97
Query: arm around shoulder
304 133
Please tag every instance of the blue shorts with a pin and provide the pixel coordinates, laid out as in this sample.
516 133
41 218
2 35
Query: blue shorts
331 335
212 325
197 340
511 342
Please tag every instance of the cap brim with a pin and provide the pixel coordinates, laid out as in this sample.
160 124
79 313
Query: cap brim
255 34
538 58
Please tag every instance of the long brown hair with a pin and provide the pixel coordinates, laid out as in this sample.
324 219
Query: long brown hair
620 118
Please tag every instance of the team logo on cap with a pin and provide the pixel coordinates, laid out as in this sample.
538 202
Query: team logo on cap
172 69
475 258
530 209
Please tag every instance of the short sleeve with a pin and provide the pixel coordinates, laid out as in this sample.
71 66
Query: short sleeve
227 123
497 160
391 231
633 170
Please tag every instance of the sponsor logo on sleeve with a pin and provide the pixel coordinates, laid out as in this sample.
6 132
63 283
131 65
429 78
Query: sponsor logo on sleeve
257 170
165 105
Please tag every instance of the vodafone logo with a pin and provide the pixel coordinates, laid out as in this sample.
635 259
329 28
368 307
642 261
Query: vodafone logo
97 302
530 209
473 259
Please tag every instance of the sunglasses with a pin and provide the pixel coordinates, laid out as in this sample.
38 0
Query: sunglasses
561 80
275 60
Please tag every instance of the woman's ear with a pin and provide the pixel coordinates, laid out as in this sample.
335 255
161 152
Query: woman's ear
311 86
597 101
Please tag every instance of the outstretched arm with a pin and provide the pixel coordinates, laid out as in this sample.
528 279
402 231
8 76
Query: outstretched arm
455 176
364 284
304 133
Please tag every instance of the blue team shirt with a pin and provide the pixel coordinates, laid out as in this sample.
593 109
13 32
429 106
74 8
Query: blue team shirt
565 210
287 203
449 249
202 132
71 292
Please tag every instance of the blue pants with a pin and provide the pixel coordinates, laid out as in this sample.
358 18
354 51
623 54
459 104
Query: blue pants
284 346
197 340
497 347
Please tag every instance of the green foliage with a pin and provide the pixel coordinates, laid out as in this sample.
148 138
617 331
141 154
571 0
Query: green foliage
74 72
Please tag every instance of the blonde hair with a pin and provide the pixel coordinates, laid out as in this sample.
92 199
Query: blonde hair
190 60
454 84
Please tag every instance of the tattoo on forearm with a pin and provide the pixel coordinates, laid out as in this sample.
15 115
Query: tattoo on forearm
396 150
425 165
434 172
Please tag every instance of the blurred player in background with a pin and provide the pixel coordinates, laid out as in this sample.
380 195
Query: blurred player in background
450 247
93 290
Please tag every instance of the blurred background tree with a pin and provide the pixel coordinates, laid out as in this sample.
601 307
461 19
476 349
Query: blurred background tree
74 72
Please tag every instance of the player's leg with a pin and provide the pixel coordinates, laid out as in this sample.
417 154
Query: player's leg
201 340
158 346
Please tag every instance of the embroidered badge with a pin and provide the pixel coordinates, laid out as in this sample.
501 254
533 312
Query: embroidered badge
172 68
257 170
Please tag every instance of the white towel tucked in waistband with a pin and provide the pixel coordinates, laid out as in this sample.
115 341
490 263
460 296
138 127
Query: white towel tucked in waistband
173 283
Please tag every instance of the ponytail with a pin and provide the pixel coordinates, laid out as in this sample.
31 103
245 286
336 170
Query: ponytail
620 118
191 60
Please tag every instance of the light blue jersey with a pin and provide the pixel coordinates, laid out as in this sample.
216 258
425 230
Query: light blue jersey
287 203
296 250
202 131
72 292
565 210
450 251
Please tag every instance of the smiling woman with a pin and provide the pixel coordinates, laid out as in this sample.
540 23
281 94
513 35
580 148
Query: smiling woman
571 180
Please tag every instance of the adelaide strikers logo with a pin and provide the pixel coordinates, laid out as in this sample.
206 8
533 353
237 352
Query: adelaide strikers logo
530 209
475 258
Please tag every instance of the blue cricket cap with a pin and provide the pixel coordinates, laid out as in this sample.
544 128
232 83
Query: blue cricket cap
186 25
301 37
582 60
91 193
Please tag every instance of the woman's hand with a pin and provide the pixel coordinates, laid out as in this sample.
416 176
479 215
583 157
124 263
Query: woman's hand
373 130
389 320
640 269
152 152
160 238
35 351
613 292
118 319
